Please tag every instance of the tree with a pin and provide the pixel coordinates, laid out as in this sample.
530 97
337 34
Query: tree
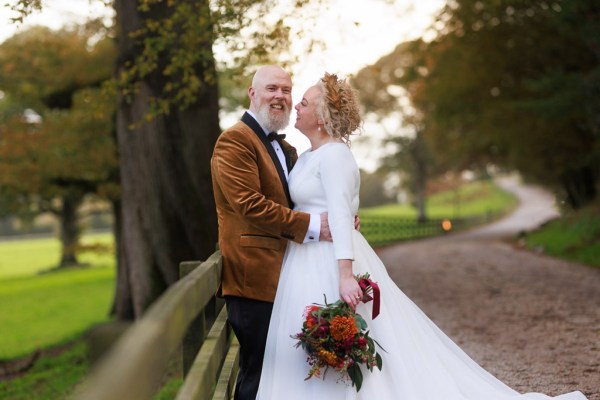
512 83
372 189
389 89
51 163
516 83
167 206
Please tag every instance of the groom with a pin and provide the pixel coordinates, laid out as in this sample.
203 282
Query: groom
250 166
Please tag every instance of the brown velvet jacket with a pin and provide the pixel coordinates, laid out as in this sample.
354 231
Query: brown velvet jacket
253 210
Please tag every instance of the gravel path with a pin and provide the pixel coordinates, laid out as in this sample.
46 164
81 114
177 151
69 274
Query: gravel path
531 320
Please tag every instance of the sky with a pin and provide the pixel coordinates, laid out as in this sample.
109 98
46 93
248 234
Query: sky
55 14
356 33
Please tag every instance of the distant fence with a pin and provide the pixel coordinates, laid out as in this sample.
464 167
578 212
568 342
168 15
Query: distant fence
380 230
187 315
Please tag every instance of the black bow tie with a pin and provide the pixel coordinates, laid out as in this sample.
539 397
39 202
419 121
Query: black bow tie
275 136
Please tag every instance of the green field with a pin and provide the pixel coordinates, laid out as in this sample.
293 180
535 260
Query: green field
31 256
52 377
476 198
42 309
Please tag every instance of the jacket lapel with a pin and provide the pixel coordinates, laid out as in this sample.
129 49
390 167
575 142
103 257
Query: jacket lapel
254 125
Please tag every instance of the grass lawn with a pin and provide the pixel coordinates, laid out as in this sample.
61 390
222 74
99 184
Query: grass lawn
574 237
52 377
475 198
28 257
40 310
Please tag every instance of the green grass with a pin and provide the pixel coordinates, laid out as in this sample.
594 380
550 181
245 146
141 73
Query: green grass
27 257
40 310
472 204
475 198
52 377
44 310
574 237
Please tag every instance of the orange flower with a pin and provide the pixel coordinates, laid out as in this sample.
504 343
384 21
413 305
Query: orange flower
343 328
329 357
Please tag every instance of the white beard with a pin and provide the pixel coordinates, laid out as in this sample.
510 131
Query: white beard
272 123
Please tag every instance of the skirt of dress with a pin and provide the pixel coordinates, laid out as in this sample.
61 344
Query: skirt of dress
420 362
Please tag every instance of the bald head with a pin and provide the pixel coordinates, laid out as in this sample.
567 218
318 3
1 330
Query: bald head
266 72
271 97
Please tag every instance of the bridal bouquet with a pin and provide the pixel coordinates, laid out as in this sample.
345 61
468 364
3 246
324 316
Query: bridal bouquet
335 336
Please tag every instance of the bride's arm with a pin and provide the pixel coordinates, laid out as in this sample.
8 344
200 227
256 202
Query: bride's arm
341 180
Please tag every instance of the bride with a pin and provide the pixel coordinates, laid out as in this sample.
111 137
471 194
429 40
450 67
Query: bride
420 361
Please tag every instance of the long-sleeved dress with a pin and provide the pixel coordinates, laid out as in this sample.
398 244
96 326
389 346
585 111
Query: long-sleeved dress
420 362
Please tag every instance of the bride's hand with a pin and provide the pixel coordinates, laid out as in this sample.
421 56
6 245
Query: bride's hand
350 292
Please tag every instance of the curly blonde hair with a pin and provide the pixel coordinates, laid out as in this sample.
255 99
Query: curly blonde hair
338 107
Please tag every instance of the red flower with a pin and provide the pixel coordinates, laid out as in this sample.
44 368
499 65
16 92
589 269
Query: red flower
349 343
322 331
309 310
311 320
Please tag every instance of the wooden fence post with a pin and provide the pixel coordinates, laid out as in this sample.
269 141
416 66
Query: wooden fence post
194 336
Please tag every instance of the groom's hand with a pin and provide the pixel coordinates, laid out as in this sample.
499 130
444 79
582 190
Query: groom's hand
325 234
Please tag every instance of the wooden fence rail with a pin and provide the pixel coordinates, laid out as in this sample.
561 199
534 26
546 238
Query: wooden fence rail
186 313
379 230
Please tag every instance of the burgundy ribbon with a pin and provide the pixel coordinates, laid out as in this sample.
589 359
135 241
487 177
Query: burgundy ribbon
364 285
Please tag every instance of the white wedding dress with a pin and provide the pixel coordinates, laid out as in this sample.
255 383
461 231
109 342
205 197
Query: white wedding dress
420 362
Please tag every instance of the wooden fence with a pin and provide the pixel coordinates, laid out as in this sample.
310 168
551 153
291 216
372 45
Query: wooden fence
187 313
380 230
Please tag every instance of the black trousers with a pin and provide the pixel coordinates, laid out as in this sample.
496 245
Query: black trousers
250 322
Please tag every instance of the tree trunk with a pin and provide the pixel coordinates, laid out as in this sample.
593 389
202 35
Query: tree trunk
167 210
122 302
419 160
420 197
580 186
69 232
